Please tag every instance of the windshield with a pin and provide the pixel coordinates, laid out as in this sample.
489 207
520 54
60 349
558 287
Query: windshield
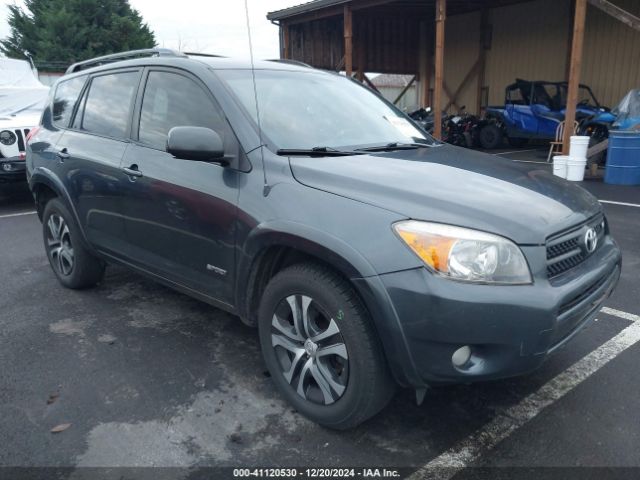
303 110
585 96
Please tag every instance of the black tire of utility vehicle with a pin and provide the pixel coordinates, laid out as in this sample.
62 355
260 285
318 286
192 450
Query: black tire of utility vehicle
60 231
369 385
490 136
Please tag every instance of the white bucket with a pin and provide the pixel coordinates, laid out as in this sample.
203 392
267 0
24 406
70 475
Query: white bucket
575 169
579 146
560 166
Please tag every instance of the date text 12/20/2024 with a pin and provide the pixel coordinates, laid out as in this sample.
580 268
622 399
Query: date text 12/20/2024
319 473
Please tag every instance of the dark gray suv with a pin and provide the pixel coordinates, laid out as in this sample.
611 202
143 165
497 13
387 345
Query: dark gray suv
367 254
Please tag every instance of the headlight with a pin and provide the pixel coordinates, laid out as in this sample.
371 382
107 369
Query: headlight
465 254
7 137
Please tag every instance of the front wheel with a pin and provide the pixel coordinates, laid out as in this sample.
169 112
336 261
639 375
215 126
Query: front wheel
321 349
490 136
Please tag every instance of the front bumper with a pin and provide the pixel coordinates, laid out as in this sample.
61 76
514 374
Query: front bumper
12 169
510 329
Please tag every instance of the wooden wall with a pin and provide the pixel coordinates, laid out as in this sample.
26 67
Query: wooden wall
529 40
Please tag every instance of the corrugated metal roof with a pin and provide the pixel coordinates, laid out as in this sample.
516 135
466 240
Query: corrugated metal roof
391 80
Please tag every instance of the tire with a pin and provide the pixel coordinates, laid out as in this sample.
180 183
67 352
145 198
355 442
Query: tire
517 142
71 262
360 385
490 137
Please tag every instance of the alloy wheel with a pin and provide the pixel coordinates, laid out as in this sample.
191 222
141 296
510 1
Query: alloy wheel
310 350
59 244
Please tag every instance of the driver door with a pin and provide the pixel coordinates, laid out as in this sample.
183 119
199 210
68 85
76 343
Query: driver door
180 214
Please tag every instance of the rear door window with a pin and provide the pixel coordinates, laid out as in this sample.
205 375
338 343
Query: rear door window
65 100
107 108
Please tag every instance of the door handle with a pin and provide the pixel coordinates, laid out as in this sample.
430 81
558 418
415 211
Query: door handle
132 171
62 154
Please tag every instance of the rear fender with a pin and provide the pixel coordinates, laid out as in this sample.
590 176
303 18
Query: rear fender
44 176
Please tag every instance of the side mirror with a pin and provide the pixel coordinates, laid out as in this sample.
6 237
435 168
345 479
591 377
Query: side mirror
196 143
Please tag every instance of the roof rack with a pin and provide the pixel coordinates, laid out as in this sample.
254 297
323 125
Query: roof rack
290 62
116 57
197 54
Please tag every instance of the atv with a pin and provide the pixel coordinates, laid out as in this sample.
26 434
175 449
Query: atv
533 111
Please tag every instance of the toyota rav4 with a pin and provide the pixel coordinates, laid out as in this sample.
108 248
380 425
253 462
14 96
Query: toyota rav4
368 254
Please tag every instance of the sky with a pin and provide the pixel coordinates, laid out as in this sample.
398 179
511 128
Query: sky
207 26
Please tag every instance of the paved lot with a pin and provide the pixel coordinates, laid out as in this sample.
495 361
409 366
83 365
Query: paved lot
150 377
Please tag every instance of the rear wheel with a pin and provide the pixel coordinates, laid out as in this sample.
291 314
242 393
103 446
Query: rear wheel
72 263
490 136
320 347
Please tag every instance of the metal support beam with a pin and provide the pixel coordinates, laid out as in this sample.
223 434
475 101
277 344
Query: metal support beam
286 49
441 16
453 99
360 53
482 57
574 71
348 40
449 93
368 81
425 61
405 90
617 13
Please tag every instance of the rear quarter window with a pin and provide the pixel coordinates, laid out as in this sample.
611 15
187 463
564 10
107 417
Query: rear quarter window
65 100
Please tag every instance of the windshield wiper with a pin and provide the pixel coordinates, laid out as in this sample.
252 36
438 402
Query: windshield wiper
316 152
389 147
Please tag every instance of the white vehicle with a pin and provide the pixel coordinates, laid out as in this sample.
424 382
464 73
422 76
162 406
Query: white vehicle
22 99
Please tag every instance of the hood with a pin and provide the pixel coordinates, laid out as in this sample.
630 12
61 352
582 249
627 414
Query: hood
22 101
455 186
25 120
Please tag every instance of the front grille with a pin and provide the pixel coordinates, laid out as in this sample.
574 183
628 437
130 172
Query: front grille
567 250
565 307
20 140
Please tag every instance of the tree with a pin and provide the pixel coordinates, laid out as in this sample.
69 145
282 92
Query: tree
72 30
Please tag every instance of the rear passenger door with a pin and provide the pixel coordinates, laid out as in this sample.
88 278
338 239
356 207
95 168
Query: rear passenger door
180 218
91 152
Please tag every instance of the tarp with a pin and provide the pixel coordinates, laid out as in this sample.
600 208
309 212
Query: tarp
20 89
628 111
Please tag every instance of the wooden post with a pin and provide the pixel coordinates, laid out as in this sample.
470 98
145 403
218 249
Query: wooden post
348 40
574 71
286 52
441 15
482 57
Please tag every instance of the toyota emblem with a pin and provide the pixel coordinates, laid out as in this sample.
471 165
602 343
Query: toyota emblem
591 240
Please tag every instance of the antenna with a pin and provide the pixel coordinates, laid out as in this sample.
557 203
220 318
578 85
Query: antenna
265 190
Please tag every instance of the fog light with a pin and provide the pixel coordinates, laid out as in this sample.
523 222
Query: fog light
461 356
7 167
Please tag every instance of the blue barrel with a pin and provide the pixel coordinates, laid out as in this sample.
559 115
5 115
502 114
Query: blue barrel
623 158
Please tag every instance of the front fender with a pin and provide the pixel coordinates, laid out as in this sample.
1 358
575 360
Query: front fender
351 264
309 240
